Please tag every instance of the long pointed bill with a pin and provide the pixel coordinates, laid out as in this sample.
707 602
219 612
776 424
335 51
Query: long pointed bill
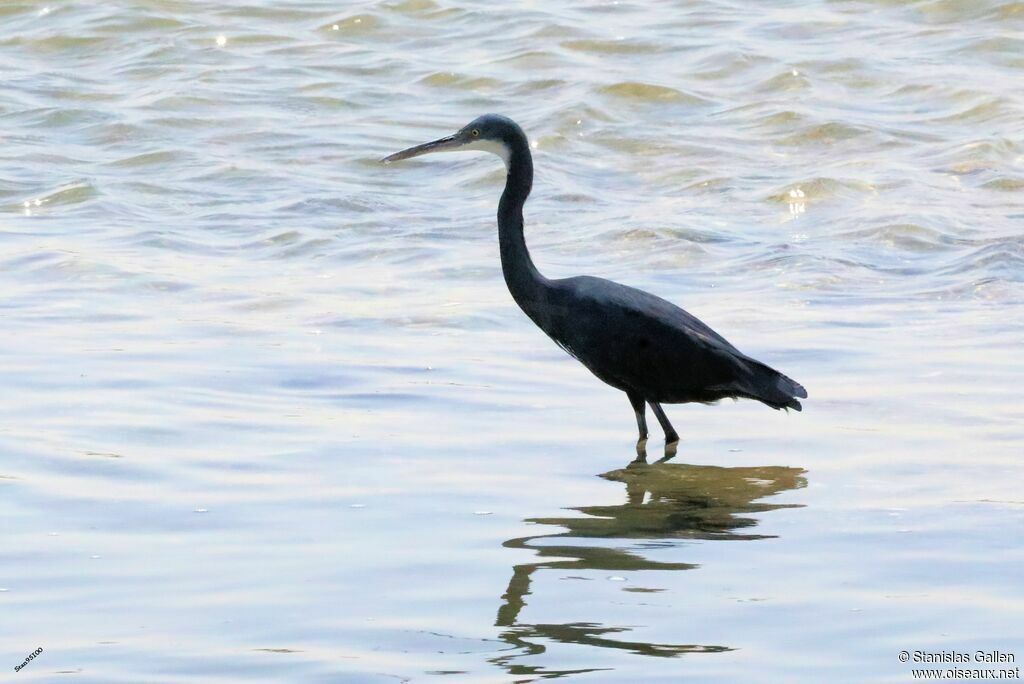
450 142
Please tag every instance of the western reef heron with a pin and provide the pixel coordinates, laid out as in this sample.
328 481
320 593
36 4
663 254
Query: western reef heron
649 348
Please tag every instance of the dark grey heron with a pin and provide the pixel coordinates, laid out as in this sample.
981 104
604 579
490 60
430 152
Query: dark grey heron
647 347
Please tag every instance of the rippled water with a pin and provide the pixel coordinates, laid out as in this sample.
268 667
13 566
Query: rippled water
270 414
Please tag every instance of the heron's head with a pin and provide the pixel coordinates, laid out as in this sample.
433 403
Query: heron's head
489 133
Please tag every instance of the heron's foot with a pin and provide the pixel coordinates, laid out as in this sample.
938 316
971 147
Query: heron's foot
670 451
641 452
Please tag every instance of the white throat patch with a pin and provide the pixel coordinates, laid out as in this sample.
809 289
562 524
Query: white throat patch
492 146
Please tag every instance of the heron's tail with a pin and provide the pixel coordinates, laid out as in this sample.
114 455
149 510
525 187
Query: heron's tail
774 389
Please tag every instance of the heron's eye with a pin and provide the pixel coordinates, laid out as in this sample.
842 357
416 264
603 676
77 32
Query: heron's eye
475 133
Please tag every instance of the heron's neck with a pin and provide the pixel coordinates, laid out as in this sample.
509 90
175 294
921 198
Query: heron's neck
523 279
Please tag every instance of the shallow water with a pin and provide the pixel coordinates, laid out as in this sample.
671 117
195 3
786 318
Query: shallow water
271 415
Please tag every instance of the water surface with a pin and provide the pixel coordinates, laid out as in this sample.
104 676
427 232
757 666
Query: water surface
271 415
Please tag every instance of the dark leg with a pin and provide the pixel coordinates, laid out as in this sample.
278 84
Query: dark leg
640 409
670 434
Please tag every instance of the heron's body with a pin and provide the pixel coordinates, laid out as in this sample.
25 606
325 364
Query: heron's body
642 344
645 346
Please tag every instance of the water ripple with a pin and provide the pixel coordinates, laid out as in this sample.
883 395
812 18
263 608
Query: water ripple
207 273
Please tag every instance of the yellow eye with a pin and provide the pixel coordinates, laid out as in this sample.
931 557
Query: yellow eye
475 133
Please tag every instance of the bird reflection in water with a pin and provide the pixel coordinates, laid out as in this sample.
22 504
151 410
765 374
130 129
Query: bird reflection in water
664 502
